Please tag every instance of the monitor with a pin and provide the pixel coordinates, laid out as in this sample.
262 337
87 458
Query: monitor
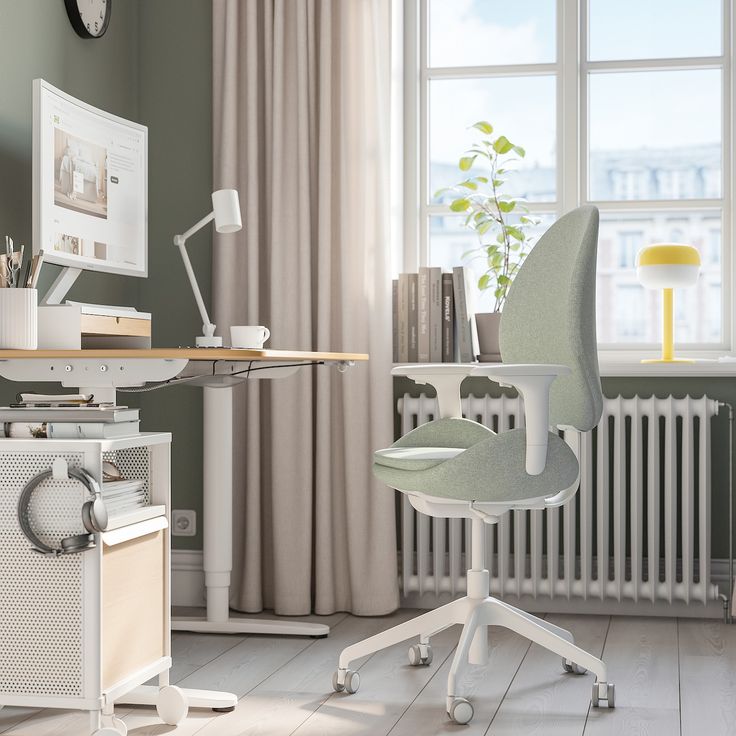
90 186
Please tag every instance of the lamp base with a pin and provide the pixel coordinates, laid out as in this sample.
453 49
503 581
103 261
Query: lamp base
209 342
667 360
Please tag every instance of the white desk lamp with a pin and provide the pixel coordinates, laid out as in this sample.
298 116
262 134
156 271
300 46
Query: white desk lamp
226 214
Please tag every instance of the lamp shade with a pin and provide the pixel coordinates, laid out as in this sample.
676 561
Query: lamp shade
226 204
668 266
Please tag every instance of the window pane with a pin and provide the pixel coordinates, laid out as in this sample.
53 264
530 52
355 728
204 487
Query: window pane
521 108
487 32
654 29
655 135
629 313
449 239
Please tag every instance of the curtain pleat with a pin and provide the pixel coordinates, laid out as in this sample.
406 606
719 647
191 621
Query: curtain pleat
300 99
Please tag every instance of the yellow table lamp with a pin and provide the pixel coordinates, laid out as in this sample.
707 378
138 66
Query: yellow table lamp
668 266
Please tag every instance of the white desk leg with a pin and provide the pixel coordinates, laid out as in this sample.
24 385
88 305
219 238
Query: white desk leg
217 531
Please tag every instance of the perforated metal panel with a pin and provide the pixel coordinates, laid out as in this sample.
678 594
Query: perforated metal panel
41 621
134 464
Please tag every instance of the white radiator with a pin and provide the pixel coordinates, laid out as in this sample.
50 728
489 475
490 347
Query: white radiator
635 538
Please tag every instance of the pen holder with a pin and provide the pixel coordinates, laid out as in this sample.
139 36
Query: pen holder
18 319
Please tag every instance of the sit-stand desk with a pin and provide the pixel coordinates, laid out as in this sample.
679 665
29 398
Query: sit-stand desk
216 369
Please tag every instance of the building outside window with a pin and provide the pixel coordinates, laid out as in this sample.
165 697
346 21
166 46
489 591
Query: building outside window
653 165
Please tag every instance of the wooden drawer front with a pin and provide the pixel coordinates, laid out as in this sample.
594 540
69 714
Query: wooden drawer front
95 324
133 611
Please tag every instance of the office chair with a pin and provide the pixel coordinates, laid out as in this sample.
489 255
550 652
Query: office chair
457 468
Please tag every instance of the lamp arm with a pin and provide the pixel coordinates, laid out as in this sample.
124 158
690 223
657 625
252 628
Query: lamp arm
180 242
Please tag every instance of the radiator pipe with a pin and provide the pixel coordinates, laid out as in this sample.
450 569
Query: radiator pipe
729 607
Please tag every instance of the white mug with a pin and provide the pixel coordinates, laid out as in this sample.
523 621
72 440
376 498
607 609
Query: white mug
247 336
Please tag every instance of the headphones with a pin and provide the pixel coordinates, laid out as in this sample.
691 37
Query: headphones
94 515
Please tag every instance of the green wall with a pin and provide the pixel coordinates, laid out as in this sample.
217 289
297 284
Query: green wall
154 66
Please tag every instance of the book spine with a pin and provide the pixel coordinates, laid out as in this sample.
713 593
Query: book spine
448 319
413 317
89 430
464 333
423 316
395 318
435 315
403 318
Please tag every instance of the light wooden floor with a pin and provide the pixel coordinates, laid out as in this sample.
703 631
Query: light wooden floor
672 677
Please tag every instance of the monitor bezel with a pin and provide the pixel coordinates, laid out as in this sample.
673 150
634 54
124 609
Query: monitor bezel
40 86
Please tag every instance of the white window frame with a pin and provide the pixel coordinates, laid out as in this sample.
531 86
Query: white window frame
572 70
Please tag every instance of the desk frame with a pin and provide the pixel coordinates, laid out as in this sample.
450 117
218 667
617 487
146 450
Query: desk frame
216 369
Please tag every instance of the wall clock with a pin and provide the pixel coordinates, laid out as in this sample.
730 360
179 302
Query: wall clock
89 18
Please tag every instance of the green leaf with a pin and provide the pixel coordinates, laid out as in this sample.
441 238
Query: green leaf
499 292
484 227
502 144
499 182
482 179
514 232
483 127
466 163
460 205
519 151
506 205
468 184
503 280
483 281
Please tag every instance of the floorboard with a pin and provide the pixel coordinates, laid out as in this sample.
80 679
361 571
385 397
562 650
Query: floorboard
673 677
642 660
282 702
707 678
484 686
543 699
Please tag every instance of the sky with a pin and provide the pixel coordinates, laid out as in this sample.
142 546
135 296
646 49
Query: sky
631 110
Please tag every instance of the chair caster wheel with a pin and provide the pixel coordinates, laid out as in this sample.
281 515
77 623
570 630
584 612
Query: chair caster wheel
229 709
461 711
350 682
420 654
603 692
569 666
171 705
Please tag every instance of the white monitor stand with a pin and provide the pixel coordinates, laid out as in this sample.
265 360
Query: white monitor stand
58 290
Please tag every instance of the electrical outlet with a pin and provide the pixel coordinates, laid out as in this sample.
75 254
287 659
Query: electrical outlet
183 523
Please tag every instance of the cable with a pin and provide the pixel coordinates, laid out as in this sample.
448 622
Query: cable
247 371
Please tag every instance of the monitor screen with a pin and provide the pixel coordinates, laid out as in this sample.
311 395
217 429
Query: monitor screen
90 193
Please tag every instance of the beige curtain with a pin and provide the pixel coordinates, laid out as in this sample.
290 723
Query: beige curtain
301 123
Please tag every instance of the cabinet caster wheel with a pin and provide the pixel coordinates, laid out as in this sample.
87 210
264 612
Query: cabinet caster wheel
420 654
569 666
609 699
350 683
461 711
172 705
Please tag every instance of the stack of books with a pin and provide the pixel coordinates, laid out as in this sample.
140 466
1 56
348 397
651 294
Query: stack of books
66 417
433 317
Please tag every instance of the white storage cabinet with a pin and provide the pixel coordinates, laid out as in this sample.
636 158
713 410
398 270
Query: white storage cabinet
83 630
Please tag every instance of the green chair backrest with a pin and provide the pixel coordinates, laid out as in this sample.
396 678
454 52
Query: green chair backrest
549 316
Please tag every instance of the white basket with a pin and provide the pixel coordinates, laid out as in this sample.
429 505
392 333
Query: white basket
18 319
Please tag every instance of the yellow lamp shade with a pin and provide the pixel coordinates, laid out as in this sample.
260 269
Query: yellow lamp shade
668 266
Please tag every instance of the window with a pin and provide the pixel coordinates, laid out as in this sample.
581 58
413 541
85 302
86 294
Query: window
609 114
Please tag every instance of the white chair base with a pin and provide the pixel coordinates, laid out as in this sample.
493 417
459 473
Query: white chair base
475 612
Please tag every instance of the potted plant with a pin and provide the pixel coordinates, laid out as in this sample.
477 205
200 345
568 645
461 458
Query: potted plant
501 220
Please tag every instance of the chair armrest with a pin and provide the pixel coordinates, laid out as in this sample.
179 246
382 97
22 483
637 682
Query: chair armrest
446 379
533 382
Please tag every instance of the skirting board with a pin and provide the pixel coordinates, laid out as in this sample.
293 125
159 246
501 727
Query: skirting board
187 589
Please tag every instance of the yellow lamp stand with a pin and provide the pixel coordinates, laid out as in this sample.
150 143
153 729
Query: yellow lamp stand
668 266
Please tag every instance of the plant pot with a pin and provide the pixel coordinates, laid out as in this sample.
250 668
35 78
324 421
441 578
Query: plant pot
488 324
